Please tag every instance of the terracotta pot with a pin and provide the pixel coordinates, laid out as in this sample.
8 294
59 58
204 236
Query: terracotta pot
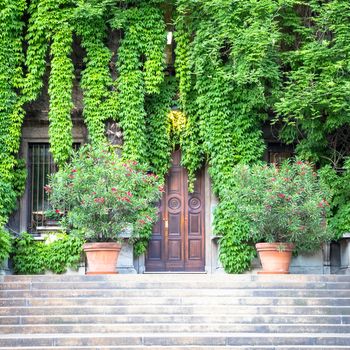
102 257
275 257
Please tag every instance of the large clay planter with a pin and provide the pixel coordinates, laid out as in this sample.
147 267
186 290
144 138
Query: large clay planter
102 257
275 257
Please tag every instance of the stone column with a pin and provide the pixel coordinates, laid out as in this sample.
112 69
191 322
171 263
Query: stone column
345 254
125 262
4 267
326 250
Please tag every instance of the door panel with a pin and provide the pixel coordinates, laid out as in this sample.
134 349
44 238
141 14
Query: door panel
177 243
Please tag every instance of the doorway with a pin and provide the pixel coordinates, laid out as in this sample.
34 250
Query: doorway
177 242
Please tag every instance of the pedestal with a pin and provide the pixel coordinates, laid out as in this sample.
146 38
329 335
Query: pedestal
125 262
345 254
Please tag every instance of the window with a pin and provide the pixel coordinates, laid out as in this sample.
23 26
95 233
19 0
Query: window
40 167
277 153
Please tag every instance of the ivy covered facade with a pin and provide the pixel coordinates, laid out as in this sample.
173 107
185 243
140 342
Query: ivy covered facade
224 81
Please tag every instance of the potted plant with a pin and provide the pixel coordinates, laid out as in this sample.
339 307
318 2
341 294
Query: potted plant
285 208
52 217
104 196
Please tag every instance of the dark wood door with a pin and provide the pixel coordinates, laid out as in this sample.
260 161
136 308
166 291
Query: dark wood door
177 242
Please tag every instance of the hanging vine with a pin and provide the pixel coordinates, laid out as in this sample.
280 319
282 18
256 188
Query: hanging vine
190 141
11 112
158 146
60 91
233 60
140 66
36 54
238 64
97 83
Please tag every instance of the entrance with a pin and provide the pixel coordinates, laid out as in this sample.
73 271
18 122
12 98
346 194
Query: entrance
177 242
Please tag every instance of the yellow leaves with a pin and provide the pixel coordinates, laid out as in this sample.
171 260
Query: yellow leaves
177 122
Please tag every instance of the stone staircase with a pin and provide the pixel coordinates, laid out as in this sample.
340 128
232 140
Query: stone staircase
175 312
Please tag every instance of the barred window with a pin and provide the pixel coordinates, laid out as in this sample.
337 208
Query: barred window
40 167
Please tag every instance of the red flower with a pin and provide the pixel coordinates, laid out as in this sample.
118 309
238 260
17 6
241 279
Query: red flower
128 174
99 200
74 170
300 162
161 188
323 203
57 211
48 189
114 189
129 194
281 195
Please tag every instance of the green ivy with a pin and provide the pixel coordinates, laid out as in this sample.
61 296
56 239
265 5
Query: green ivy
315 101
5 245
239 64
100 102
57 253
338 184
60 91
228 69
11 111
140 66
158 145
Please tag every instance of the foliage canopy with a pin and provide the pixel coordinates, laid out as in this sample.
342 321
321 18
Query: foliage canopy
239 65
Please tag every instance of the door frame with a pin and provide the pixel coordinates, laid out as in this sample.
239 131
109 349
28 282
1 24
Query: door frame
190 243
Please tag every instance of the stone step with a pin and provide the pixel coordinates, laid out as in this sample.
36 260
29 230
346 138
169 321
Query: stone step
179 312
176 277
175 309
190 347
175 319
180 300
172 285
216 328
330 340
193 292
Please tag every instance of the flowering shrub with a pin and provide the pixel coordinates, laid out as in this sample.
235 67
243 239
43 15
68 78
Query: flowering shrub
282 204
52 214
103 196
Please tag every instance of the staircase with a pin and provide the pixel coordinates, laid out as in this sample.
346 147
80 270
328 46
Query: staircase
175 312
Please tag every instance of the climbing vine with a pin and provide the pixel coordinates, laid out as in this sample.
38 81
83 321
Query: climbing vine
315 101
140 66
238 66
99 98
11 112
60 91
158 127
228 70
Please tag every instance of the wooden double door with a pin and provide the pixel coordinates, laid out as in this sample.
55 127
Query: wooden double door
177 242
